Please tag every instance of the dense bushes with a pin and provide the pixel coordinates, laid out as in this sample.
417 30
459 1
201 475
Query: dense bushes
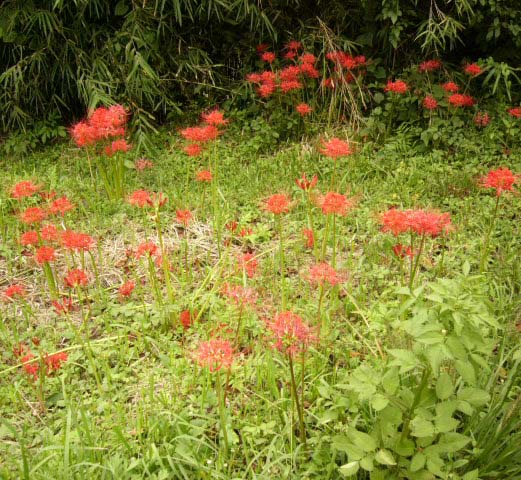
58 57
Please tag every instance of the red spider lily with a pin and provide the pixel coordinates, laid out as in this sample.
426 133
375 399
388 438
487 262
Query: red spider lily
501 179
202 134
336 148
290 85
303 109
204 176
84 134
119 145
54 361
29 238
47 196
461 100
215 354
472 69
268 57
248 263
309 236
401 251
398 86
183 217
232 226
76 278
308 58
482 119
322 273
291 334
146 248
244 232
45 254
293 45
266 90
305 184
127 288
515 112
33 215
346 60
30 368
193 149
109 122
308 70
140 198
24 189
421 222
333 203
262 47
278 203
20 349
187 318
290 73
63 307
76 241
214 117
61 206
429 66
290 54
49 233
142 164
329 83
430 103
239 295
158 199
450 87
254 78
15 290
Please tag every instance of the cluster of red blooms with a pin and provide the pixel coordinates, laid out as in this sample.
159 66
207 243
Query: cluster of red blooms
430 103
248 263
127 288
215 354
333 203
501 179
204 133
421 222
76 278
472 69
323 273
401 251
514 112
239 295
429 66
15 290
187 318
346 67
143 199
399 87
291 334
336 148
461 100
47 364
102 125
183 217
278 203
481 119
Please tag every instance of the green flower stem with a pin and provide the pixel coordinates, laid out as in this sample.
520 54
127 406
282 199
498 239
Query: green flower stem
486 243
298 407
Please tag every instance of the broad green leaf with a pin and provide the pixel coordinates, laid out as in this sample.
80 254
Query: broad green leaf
385 457
349 469
379 402
445 424
474 396
472 475
421 427
452 442
417 462
391 381
362 440
367 463
444 387
404 359
466 370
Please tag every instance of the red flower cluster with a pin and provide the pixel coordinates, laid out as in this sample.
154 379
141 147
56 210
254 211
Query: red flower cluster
461 100
278 203
183 217
482 119
239 295
401 251
215 354
146 248
421 222
429 66
45 255
291 334
430 103
127 288
501 179
202 134
248 263
322 273
33 215
303 109
15 290
514 112
333 203
305 184
77 241
204 176
24 189
48 363
142 164
61 206
450 87
335 148
309 237
472 69
76 278
187 318
102 124
398 86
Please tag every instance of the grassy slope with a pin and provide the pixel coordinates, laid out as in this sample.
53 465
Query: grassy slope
145 416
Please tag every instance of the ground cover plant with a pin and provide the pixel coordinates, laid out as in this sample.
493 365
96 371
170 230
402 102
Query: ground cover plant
344 303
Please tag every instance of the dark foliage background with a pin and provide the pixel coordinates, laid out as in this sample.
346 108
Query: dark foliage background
60 57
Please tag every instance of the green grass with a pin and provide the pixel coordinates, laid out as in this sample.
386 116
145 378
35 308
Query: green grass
130 402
